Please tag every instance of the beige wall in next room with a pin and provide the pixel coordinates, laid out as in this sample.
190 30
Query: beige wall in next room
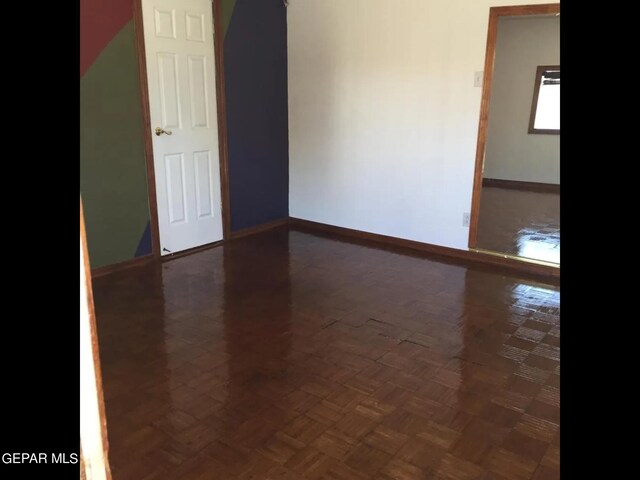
512 153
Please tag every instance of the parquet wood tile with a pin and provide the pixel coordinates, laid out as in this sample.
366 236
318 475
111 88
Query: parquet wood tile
340 471
438 393
281 447
421 407
346 398
385 439
454 468
552 457
522 342
367 459
406 422
470 401
499 415
439 435
538 428
333 444
168 455
519 384
233 459
554 379
392 394
374 409
304 429
198 467
311 463
510 465
292 356
326 412
142 469
511 400
546 473
545 411
525 446
352 427
549 395
473 448
197 436
260 467
422 454
396 469
452 418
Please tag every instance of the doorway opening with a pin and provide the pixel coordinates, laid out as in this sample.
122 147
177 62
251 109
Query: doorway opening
515 210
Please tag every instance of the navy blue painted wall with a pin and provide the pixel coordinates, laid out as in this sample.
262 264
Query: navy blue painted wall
255 51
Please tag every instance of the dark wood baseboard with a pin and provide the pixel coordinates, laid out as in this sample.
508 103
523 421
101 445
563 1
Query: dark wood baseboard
189 251
136 262
517 185
245 232
116 267
548 273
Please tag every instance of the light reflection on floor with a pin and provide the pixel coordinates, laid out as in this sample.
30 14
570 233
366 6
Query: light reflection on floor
521 223
529 246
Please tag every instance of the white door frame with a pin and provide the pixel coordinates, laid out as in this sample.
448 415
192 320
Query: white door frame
218 46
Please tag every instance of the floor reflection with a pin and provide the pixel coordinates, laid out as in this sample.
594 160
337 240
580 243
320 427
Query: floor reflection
520 223
510 370
290 355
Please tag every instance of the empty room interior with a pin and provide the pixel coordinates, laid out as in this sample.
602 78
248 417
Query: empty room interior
320 239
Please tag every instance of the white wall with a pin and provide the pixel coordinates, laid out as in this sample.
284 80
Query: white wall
383 114
512 153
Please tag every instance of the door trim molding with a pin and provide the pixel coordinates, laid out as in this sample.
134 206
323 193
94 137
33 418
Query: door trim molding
146 127
218 51
221 104
95 350
494 16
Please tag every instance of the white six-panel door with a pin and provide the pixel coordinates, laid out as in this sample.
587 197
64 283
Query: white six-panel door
178 38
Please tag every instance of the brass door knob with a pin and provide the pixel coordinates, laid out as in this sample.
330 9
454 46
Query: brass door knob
160 131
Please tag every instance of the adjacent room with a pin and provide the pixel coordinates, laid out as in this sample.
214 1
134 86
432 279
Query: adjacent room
520 200
320 239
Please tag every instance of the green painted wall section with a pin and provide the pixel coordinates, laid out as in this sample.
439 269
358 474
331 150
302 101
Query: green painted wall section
113 178
227 12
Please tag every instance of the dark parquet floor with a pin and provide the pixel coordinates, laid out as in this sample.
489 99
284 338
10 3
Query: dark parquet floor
288 355
521 223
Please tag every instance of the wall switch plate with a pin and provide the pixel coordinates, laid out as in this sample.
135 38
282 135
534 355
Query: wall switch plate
477 79
465 219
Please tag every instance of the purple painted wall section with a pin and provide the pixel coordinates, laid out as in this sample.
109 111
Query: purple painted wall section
255 49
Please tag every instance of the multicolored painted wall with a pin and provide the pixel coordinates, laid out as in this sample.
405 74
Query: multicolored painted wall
113 179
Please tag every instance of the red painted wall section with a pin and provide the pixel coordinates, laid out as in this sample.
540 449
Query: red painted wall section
100 20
